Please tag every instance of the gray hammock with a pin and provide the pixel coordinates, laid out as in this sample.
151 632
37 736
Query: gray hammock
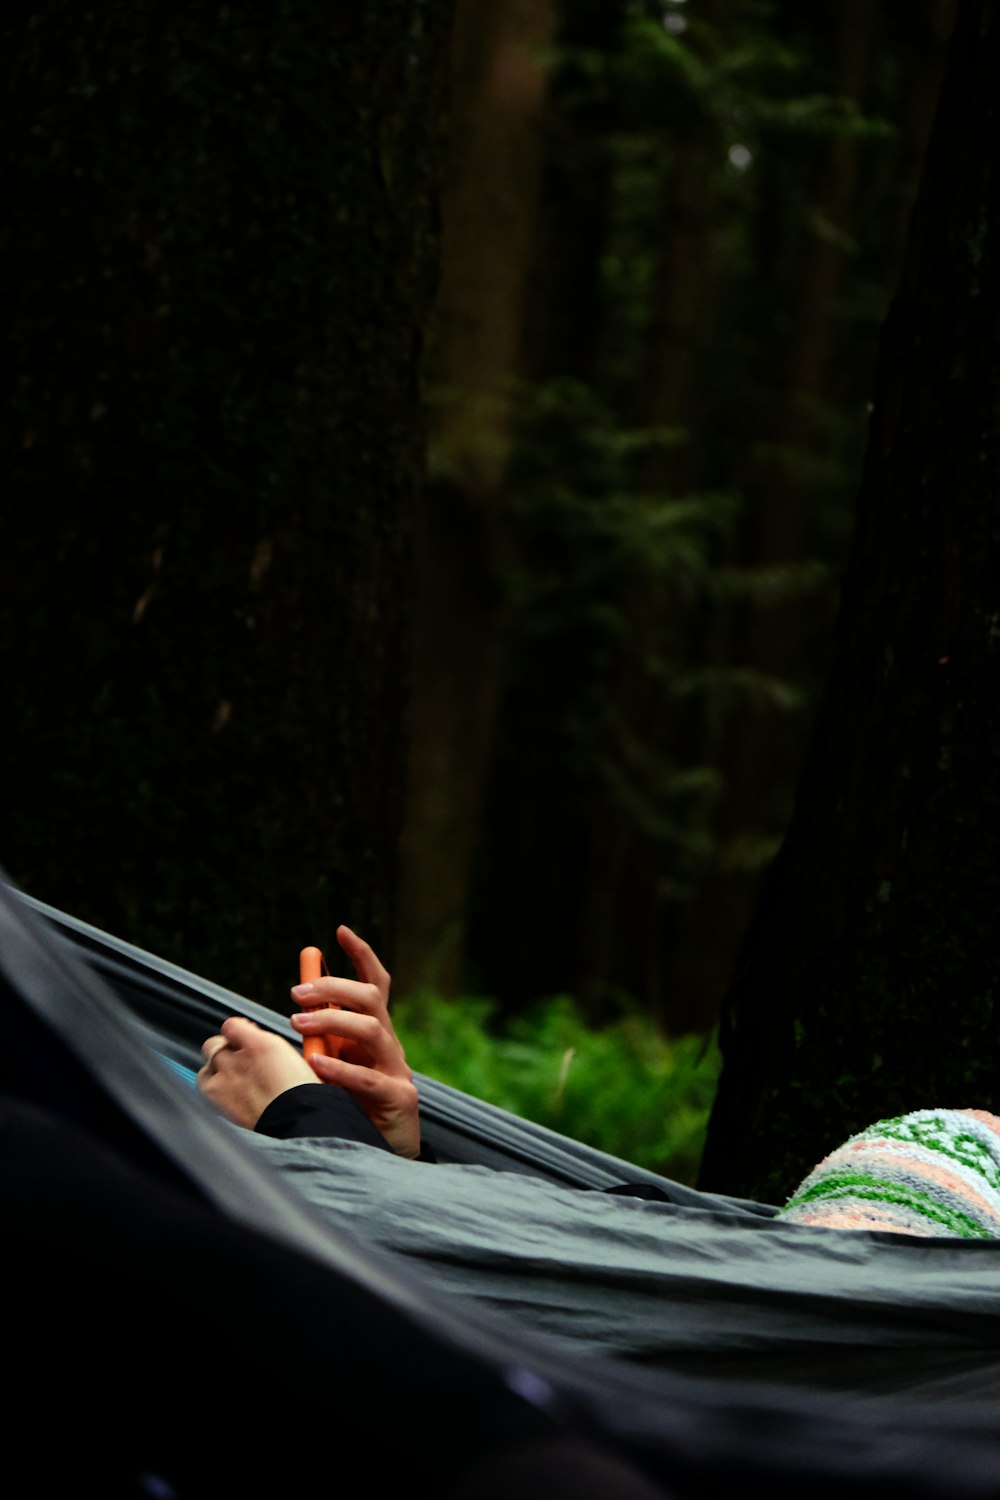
697 1332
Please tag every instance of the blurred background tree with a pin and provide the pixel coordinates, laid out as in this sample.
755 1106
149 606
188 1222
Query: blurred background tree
671 235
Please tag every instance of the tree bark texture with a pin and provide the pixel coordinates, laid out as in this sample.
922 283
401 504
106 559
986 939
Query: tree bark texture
218 257
869 980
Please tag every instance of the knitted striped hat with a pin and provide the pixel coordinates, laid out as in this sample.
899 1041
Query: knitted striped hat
932 1172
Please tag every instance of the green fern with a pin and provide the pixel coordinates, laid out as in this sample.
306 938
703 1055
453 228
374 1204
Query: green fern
623 1088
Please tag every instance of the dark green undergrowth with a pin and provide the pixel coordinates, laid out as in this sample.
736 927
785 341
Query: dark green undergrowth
623 1088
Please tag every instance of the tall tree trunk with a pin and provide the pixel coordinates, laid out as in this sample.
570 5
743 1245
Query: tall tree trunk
529 859
219 257
869 981
490 225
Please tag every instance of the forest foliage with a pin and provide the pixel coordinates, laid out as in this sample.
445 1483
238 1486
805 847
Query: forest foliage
651 483
622 1087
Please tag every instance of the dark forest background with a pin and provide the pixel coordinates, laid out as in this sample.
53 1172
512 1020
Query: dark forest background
671 235
431 457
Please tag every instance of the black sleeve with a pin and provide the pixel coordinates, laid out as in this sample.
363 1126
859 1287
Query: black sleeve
318 1109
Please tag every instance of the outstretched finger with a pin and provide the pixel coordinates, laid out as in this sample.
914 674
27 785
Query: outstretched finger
366 963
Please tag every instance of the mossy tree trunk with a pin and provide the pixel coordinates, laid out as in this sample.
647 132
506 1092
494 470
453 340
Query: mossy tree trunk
870 977
218 258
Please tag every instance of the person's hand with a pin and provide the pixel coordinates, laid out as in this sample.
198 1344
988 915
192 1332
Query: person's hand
246 1067
372 1066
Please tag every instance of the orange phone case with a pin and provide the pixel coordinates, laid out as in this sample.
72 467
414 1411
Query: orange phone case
311 968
